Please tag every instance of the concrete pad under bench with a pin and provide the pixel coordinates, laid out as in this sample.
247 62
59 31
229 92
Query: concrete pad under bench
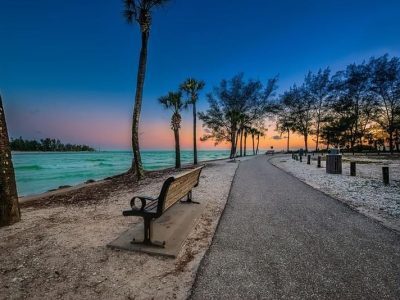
173 227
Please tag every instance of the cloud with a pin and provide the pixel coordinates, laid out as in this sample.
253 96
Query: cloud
276 137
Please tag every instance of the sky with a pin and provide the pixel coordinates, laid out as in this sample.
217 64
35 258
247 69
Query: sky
68 68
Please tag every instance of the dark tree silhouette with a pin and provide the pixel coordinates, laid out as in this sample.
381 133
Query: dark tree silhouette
9 207
140 11
317 87
385 85
174 102
46 145
234 105
192 87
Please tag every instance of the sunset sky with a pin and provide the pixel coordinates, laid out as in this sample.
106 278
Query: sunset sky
68 68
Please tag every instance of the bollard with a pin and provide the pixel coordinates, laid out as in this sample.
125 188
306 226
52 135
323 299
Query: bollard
385 173
352 168
301 158
308 159
319 161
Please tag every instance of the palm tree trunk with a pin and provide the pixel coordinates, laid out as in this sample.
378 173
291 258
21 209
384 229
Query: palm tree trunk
233 142
9 207
241 142
177 149
317 142
194 134
306 142
254 151
236 142
258 142
288 135
245 143
137 165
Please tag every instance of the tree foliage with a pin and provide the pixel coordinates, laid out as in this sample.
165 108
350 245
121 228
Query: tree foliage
174 102
46 145
191 87
235 106
358 107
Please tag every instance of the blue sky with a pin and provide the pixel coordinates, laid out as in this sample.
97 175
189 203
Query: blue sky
66 65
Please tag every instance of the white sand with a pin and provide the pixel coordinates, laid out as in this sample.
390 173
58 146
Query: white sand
60 252
365 192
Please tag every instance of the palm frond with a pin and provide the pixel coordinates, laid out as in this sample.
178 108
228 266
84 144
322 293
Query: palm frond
130 11
173 101
192 87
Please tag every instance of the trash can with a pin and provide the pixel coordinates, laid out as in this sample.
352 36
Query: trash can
334 162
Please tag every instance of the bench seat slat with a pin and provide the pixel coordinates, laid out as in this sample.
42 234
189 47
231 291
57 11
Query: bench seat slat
181 187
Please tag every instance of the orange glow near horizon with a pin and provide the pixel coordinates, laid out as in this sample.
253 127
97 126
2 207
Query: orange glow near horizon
156 135
108 129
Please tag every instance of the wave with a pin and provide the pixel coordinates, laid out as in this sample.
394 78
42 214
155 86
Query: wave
29 168
105 165
95 159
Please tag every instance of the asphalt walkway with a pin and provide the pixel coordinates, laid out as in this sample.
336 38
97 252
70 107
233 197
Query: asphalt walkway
279 238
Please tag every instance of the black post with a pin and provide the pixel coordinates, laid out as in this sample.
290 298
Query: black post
385 173
352 168
308 159
319 161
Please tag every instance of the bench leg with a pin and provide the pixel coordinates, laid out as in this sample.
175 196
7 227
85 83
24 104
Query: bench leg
148 228
189 199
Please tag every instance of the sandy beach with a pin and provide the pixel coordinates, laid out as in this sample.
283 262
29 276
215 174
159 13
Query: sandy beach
59 250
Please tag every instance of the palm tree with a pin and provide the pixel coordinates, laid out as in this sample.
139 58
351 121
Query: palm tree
9 207
192 87
174 102
284 124
243 123
260 132
246 132
140 11
253 132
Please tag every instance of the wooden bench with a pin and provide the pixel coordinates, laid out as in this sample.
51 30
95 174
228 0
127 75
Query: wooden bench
173 190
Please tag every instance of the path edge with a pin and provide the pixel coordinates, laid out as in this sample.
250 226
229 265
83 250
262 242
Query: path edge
368 216
189 296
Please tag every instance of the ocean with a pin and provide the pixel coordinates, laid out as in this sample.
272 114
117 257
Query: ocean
39 172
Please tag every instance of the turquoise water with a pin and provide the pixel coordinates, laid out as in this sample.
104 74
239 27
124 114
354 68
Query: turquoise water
39 172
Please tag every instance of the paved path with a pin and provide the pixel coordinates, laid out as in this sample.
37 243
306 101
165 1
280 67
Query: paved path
279 238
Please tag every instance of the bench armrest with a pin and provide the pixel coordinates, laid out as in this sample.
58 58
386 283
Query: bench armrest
143 199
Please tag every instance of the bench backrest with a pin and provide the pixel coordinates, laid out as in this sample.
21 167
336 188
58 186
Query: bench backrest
175 188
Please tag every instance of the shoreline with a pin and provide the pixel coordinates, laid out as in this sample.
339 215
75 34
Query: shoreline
69 184
61 190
